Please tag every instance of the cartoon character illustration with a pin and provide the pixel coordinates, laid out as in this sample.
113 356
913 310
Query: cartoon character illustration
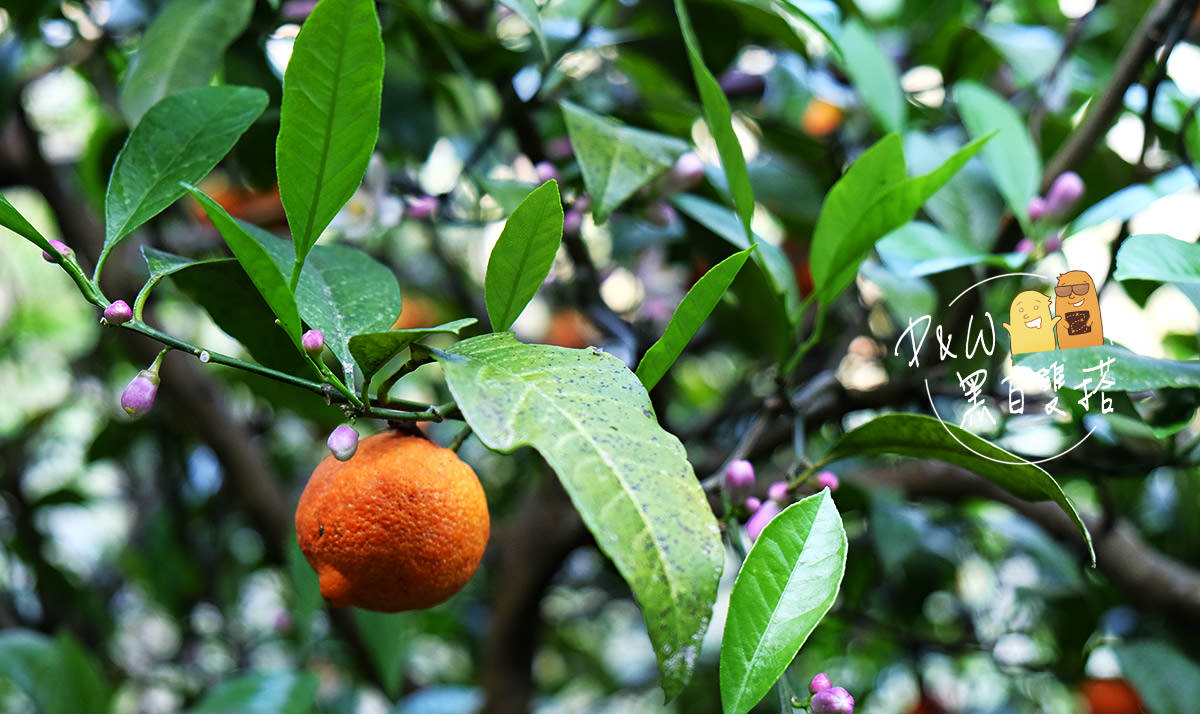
1076 301
1032 328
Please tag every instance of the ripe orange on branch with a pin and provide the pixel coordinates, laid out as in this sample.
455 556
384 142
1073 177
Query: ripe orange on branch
400 526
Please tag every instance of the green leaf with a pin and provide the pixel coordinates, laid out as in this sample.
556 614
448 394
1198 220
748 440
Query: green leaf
160 264
375 349
790 579
719 118
527 10
329 119
180 139
57 675
388 636
1158 257
523 254
1012 158
929 438
288 692
342 291
630 480
1129 372
770 257
846 230
257 263
1167 680
181 49
12 219
616 160
874 75
1132 200
695 308
916 249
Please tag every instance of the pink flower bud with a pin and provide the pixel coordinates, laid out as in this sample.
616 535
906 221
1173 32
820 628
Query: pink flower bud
1053 243
139 394
583 203
422 207
118 313
1063 193
660 213
546 171
343 442
1025 245
62 248
819 683
761 518
834 700
739 479
572 222
313 342
686 173
753 504
778 492
1037 208
828 479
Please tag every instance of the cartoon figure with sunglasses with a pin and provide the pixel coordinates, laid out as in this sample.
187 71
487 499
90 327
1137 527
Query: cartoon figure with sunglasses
1076 301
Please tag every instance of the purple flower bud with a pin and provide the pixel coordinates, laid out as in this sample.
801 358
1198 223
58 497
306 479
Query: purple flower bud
1037 208
546 171
1063 193
736 82
761 518
343 442
1025 245
139 394
62 248
828 479
819 683
778 492
753 504
660 213
283 621
118 313
739 479
1053 243
687 172
572 222
583 203
560 148
313 342
834 700
422 207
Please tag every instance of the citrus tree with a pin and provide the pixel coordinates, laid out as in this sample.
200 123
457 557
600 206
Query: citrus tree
721 356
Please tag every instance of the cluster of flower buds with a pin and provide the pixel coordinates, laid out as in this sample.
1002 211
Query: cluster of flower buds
739 484
828 699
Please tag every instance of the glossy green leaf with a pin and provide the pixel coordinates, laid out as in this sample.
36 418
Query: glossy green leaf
180 49
342 291
929 438
1132 200
846 230
523 254
630 480
917 249
873 74
1011 157
286 692
790 579
695 308
375 349
180 139
770 257
257 263
719 118
1167 679
527 10
12 219
1158 257
616 160
1129 372
329 119
161 264
56 674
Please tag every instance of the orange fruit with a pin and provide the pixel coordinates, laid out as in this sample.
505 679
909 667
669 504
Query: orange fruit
400 526
569 328
1111 696
820 118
